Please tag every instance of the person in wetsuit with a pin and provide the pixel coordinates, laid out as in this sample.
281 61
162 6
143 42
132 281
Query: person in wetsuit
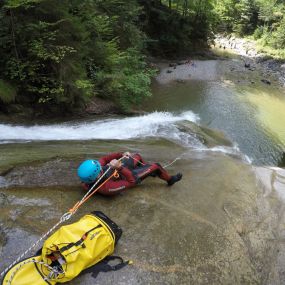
131 169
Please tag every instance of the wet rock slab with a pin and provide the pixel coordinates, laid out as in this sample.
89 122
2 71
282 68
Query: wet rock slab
47 173
206 136
216 226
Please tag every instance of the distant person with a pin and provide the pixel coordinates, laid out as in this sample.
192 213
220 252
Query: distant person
131 168
191 62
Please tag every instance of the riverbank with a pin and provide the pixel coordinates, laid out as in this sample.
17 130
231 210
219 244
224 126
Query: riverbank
202 65
249 52
20 114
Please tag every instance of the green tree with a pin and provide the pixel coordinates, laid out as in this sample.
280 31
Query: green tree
239 16
179 28
58 54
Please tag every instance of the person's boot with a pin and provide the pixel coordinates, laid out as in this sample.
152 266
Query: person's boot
174 179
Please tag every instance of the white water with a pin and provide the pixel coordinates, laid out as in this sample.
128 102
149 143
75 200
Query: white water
232 151
3 182
157 124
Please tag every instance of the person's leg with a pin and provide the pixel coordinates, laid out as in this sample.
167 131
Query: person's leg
156 169
174 178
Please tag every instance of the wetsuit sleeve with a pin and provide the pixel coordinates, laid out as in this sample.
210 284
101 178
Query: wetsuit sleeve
106 159
127 174
113 187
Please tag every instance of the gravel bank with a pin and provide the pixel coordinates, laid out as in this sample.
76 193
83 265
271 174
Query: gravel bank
247 49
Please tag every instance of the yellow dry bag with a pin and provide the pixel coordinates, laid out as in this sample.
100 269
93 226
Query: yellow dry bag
67 252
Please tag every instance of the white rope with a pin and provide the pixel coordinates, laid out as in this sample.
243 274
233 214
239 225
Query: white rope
165 166
53 270
67 216
91 189
100 178
64 218
169 164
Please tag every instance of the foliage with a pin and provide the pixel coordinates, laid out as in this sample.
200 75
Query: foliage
239 16
131 86
276 53
7 92
58 54
273 24
262 18
177 27
10 4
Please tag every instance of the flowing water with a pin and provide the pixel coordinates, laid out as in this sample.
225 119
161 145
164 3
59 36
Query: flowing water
216 226
157 124
228 97
220 94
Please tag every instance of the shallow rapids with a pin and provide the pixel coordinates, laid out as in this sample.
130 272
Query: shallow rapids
156 124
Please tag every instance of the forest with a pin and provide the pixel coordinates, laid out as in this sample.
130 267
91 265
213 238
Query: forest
57 55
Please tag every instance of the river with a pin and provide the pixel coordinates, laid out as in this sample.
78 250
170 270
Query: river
227 96
219 94
221 224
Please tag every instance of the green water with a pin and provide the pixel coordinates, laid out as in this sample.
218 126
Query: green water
233 99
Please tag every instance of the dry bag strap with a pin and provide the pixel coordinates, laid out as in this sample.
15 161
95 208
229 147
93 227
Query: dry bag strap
117 266
79 242
103 266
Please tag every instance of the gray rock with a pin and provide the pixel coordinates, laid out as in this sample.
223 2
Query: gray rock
265 81
263 58
226 231
180 80
3 199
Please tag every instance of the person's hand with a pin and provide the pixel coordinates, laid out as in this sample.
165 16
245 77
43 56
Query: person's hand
127 154
115 163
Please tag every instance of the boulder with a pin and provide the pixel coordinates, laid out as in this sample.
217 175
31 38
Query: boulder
265 81
263 58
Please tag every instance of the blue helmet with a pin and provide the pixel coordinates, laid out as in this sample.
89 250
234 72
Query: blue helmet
89 170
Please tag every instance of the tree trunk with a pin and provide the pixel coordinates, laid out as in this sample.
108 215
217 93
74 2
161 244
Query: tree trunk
13 34
185 8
